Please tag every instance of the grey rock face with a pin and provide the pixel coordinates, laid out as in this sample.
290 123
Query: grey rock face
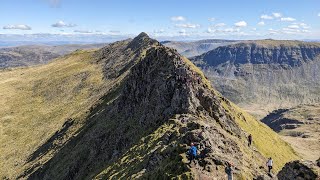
297 170
272 74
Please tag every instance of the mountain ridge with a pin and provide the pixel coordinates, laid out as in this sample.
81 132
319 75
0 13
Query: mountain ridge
154 103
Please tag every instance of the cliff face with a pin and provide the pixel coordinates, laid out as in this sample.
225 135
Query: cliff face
254 53
265 74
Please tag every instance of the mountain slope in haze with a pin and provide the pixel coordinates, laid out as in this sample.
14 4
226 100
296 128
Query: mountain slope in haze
300 127
141 104
264 75
37 54
195 48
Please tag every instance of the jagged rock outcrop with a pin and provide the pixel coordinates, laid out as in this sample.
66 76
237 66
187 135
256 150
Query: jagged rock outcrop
145 124
265 75
298 170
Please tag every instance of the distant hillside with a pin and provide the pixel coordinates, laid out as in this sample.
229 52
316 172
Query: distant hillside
299 126
194 48
129 110
37 54
264 75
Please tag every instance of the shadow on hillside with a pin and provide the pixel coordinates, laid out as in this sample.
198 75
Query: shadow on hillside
104 138
49 145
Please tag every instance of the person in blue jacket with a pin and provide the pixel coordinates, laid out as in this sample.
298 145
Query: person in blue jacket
193 152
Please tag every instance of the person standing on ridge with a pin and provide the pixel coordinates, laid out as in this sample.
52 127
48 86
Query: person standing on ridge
249 140
269 164
229 170
192 153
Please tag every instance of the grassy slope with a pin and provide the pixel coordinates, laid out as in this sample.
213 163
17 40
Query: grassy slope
35 102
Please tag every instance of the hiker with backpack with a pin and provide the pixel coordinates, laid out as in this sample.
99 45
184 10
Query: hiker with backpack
229 170
192 153
269 164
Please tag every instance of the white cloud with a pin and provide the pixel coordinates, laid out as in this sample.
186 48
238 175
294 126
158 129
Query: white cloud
62 24
276 15
17 26
254 29
304 26
211 19
293 26
209 30
178 18
219 25
288 19
240 24
83 31
264 16
261 23
319 14
305 31
188 25
230 30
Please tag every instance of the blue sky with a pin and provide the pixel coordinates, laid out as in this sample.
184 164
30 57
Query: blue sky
165 19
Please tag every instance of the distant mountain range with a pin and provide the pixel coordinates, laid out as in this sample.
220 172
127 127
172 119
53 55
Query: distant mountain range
264 75
194 48
37 54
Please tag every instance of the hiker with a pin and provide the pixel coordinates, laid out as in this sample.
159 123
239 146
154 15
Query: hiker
249 140
229 171
269 164
192 153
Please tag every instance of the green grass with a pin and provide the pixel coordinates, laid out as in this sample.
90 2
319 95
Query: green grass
36 101
267 142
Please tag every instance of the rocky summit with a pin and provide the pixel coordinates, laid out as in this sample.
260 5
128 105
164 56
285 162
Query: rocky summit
154 104
264 75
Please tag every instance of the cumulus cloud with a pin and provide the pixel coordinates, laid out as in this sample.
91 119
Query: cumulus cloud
230 30
304 26
294 26
288 19
276 15
265 16
17 26
211 19
83 31
240 24
178 18
188 25
261 23
219 25
62 24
